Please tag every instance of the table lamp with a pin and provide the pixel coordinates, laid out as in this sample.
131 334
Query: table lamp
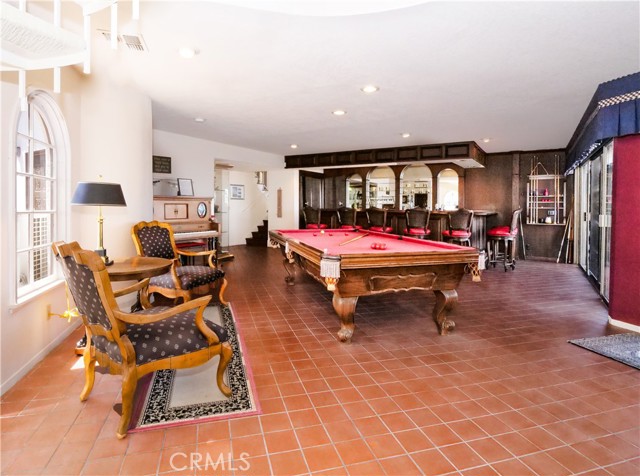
100 194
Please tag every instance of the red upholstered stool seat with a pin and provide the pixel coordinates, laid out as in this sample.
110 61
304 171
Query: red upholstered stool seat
383 229
417 231
460 234
501 231
316 226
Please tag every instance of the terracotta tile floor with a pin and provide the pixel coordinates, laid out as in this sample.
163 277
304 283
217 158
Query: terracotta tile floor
504 394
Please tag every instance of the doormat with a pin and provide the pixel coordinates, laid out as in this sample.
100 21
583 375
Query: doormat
624 348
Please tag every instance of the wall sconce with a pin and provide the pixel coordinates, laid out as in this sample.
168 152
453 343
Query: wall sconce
99 194
261 178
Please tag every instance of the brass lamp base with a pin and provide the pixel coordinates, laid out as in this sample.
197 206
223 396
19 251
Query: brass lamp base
105 259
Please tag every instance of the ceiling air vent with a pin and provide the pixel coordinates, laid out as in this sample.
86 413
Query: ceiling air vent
132 42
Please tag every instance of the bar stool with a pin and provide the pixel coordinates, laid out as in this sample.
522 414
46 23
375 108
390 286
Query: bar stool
312 218
459 230
417 222
347 218
377 219
505 235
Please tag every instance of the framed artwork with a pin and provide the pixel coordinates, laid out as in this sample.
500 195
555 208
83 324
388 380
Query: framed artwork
237 192
161 165
185 187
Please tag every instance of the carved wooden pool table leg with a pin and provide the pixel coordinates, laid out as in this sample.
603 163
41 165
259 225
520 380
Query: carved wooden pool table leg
290 268
345 308
445 300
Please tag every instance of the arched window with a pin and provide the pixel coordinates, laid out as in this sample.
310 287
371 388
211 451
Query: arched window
382 188
41 139
448 189
354 191
416 186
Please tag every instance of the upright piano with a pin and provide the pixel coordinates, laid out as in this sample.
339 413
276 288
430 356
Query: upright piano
189 218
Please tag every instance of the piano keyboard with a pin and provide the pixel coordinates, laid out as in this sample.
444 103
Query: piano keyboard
194 235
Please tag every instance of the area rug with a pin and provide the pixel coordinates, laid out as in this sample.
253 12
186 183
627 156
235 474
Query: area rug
169 398
624 348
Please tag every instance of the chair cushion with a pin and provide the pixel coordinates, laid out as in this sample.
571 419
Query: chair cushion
502 231
315 226
174 336
190 277
386 229
456 234
416 231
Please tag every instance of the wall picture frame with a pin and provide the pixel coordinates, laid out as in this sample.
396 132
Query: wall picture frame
185 187
236 192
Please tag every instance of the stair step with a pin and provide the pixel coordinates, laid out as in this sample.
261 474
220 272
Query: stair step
260 237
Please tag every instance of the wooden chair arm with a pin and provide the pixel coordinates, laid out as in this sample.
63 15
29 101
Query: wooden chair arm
137 318
134 287
212 254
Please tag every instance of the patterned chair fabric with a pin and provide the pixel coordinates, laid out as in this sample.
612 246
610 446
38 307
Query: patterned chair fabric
377 219
134 344
459 229
156 239
417 222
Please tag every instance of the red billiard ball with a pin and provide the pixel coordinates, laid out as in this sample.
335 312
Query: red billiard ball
315 234
330 234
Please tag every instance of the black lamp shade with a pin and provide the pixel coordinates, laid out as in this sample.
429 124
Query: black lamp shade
99 194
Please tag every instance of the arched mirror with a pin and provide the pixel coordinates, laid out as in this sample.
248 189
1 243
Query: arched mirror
354 191
415 185
447 190
382 188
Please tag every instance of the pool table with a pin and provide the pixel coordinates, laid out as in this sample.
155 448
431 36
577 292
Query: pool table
351 264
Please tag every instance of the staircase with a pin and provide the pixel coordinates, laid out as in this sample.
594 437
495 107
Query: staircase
259 238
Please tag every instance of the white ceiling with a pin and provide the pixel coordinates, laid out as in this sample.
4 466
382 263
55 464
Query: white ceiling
520 73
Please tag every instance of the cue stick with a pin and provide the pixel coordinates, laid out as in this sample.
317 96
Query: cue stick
353 239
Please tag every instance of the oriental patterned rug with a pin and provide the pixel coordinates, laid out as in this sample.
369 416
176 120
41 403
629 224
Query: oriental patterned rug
624 348
169 398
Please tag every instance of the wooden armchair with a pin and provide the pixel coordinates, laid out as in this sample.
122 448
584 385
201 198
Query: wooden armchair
417 222
312 218
347 218
156 239
459 229
377 220
134 344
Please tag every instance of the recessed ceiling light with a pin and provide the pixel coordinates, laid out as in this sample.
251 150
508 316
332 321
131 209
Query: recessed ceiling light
339 112
294 146
199 119
405 135
369 89
486 139
187 52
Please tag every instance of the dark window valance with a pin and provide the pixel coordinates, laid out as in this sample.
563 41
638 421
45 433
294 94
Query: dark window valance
614 111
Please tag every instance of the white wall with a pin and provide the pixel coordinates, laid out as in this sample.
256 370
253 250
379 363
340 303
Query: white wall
245 215
288 181
110 134
195 159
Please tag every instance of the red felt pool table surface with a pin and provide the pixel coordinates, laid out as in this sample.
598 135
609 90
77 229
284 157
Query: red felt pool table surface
338 242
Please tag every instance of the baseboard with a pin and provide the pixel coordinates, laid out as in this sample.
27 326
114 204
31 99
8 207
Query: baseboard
11 381
624 325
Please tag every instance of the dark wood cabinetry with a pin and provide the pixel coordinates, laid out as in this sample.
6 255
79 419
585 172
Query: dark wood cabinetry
466 151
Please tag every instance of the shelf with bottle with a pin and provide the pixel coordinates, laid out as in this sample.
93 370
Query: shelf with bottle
546 196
